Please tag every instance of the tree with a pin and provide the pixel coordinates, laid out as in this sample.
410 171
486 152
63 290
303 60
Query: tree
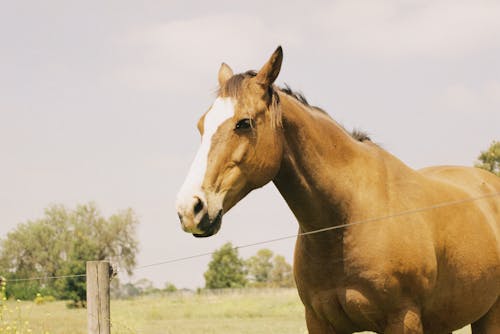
61 242
281 274
226 270
130 290
146 286
490 159
268 271
169 287
259 267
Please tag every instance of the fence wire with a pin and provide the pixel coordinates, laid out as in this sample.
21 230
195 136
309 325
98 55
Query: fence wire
41 278
330 228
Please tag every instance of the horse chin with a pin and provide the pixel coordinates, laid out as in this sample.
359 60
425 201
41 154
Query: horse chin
210 227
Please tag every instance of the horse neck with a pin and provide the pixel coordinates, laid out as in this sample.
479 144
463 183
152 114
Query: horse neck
324 170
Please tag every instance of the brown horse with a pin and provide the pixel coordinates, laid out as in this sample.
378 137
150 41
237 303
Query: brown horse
432 265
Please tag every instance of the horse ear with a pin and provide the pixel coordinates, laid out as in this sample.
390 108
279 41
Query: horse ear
225 72
269 72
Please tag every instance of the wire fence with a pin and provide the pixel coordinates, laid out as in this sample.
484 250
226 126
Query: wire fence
322 230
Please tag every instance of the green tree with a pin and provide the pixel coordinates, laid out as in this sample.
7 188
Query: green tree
267 271
490 159
259 267
281 274
60 243
226 269
169 287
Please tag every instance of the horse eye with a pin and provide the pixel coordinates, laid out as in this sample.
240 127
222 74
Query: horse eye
244 124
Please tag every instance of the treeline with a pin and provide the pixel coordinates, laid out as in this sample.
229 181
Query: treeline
228 270
140 287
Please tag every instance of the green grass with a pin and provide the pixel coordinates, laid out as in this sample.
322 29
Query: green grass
271 311
243 312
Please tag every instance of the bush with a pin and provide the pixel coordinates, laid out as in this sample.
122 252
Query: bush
26 290
39 299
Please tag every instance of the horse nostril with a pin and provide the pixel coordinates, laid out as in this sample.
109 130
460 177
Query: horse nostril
198 206
180 216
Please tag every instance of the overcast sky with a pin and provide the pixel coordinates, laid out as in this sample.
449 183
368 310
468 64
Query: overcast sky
99 100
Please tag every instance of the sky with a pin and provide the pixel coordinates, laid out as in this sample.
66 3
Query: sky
99 101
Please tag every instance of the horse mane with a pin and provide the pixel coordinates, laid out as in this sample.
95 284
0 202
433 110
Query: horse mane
301 98
357 134
360 135
233 87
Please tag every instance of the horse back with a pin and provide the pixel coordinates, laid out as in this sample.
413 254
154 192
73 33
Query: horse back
480 186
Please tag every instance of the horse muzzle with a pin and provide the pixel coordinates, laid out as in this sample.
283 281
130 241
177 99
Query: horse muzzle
195 218
209 226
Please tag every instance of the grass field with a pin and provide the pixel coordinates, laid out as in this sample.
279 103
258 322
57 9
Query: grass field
243 312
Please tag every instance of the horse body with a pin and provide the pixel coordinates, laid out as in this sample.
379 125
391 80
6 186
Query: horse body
413 251
431 265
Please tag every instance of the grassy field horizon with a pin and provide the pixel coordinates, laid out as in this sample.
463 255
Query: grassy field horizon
254 311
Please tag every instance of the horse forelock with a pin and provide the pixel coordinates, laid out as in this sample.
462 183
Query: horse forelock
234 88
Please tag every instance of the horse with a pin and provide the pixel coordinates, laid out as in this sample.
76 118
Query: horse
432 265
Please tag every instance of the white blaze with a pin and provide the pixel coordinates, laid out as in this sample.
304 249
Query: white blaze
222 110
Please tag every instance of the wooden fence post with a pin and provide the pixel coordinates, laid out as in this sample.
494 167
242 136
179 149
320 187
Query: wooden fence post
98 311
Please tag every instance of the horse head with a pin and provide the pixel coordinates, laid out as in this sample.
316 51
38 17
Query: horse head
241 147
